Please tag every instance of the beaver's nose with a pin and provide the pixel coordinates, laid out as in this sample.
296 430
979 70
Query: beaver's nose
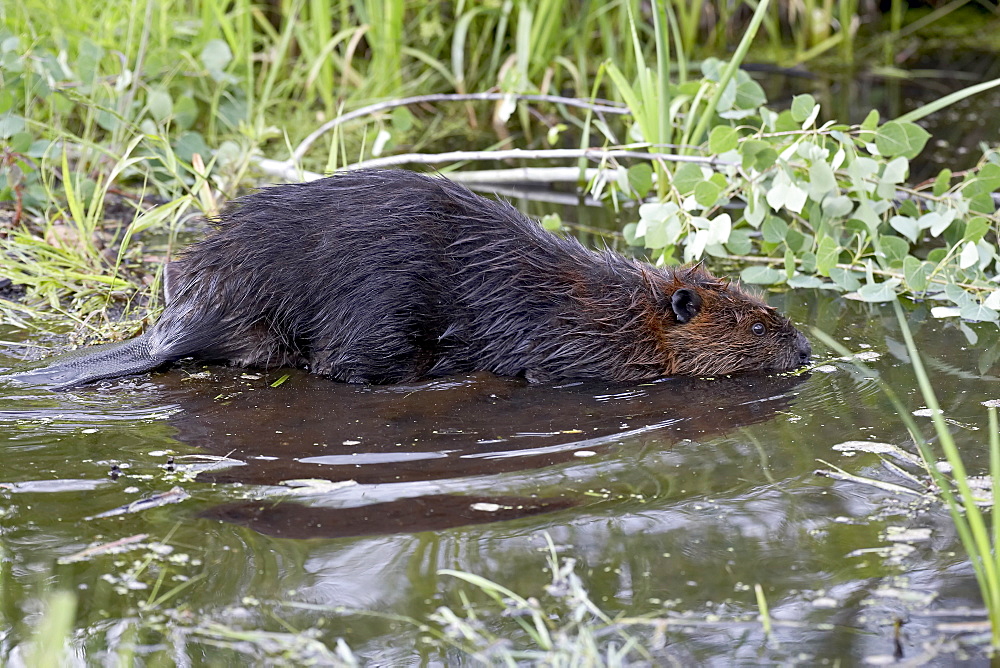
805 350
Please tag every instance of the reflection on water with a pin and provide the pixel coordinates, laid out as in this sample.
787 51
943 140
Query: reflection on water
431 512
405 445
676 497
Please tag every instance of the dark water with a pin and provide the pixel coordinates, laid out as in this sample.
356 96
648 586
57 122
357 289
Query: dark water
331 508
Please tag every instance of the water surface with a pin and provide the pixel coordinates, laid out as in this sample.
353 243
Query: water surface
313 504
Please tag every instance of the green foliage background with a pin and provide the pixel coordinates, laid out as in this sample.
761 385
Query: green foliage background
176 102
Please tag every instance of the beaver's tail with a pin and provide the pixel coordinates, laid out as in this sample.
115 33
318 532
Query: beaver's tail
95 363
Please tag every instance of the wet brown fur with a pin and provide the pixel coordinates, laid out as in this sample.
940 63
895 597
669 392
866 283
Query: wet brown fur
390 276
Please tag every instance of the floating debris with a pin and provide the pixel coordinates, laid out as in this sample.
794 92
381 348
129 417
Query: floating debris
204 462
892 554
878 448
906 535
309 486
52 486
114 547
825 602
865 446
486 507
175 495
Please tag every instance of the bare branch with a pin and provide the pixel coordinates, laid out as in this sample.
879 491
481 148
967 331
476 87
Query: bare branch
596 154
306 144
287 170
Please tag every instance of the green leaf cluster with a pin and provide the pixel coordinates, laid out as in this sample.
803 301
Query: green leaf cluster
828 205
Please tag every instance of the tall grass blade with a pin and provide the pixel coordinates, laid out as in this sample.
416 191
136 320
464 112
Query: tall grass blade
948 100
48 647
540 631
76 210
765 614
995 489
727 74
983 549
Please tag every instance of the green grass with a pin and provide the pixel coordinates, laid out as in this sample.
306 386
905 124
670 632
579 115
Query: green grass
568 629
172 101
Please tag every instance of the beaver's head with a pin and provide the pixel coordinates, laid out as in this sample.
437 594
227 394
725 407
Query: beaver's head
713 327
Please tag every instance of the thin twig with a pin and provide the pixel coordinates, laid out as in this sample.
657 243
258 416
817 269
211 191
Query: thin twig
596 154
489 178
307 143
839 474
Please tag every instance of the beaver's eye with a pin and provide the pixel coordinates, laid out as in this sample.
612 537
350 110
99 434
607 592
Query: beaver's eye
759 329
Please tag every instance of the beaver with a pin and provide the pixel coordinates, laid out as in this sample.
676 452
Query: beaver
386 276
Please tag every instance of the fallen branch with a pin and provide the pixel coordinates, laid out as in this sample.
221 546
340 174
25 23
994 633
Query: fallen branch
595 154
289 170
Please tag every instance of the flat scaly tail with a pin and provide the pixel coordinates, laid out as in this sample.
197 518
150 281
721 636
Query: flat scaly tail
87 365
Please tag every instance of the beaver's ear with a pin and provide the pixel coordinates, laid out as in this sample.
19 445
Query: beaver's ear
685 304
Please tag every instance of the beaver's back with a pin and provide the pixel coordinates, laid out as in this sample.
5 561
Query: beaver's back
392 271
